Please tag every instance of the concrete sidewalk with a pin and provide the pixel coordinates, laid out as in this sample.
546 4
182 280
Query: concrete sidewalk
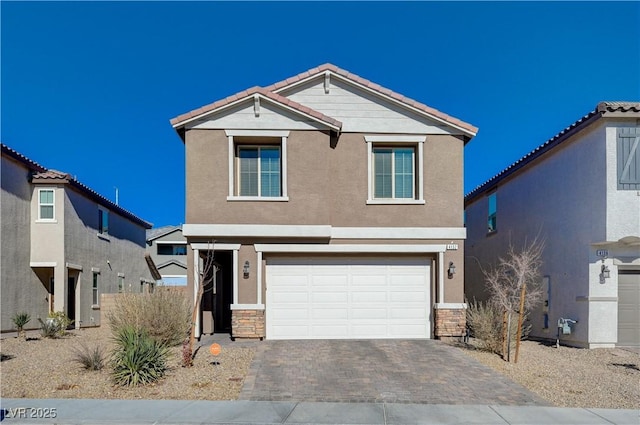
134 412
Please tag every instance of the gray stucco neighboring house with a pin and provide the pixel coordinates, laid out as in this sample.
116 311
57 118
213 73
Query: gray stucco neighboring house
63 245
580 191
168 250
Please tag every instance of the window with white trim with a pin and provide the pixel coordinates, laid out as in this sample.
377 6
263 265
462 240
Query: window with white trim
103 221
94 289
395 169
46 204
259 171
257 165
394 173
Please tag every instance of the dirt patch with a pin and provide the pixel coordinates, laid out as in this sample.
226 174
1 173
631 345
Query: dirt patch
573 377
44 368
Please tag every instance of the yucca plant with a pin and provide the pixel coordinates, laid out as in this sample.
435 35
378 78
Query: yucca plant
20 320
49 328
137 359
91 358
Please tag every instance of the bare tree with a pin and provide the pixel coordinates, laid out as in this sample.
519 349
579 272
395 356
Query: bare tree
204 278
514 284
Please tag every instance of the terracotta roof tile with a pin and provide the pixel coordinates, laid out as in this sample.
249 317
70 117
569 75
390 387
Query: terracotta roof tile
43 174
563 135
375 87
344 73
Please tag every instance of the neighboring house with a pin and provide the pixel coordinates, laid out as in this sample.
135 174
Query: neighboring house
333 208
63 245
580 191
168 250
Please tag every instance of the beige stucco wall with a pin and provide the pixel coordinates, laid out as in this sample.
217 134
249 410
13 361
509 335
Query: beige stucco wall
208 176
325 185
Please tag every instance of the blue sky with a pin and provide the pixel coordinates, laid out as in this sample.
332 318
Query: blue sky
89 88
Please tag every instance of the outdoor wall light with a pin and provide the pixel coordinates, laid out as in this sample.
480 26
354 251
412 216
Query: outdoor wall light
245 269
452 270
606 273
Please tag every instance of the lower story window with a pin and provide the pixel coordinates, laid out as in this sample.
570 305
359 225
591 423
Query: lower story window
94 289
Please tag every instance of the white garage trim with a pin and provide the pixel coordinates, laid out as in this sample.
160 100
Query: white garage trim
348 297
322 248
322 231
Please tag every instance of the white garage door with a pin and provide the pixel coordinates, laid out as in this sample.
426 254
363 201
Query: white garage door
629 308
329 298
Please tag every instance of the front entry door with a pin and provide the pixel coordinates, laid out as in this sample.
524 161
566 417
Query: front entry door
71 298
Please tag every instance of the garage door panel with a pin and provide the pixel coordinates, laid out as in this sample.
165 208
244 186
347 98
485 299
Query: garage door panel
369 280
289 297
369 313
291 314
408 313
330 313
348 298
360 297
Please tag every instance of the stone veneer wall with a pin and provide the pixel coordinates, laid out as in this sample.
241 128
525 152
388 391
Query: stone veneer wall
247 324
450 322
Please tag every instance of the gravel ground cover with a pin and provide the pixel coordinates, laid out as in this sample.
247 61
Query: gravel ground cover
572 377
44 368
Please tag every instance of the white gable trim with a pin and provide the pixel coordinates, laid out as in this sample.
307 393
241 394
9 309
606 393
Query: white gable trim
377 94
255 100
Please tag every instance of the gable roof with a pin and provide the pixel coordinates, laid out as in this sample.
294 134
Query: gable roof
159 232
172 262
47 176
603 109
272 92
376 89
261 93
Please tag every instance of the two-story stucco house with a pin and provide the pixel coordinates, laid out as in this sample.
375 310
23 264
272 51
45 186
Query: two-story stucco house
63 245
333 208
168 250
580 191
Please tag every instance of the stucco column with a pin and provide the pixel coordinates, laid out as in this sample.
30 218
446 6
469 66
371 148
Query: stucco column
59 287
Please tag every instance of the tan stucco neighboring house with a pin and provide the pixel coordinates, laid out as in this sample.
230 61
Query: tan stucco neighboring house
63 245
333 208
579 192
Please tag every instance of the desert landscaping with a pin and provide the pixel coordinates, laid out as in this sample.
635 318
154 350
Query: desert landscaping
38 367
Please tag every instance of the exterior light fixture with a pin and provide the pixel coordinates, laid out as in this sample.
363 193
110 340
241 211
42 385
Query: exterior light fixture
452 270
606 273
245 269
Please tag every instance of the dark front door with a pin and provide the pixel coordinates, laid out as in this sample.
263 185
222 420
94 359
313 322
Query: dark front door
71 298
222 300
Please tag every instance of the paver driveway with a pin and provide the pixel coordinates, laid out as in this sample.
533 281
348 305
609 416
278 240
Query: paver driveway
401 371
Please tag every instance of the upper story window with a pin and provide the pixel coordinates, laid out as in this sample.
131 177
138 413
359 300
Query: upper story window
46 204
103 222
492 213
172 249
257 165
259 171
628 158
394 173
396 169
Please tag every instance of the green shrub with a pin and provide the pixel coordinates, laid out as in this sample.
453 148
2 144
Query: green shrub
55 326
164 315
91 358
137 359
20 320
